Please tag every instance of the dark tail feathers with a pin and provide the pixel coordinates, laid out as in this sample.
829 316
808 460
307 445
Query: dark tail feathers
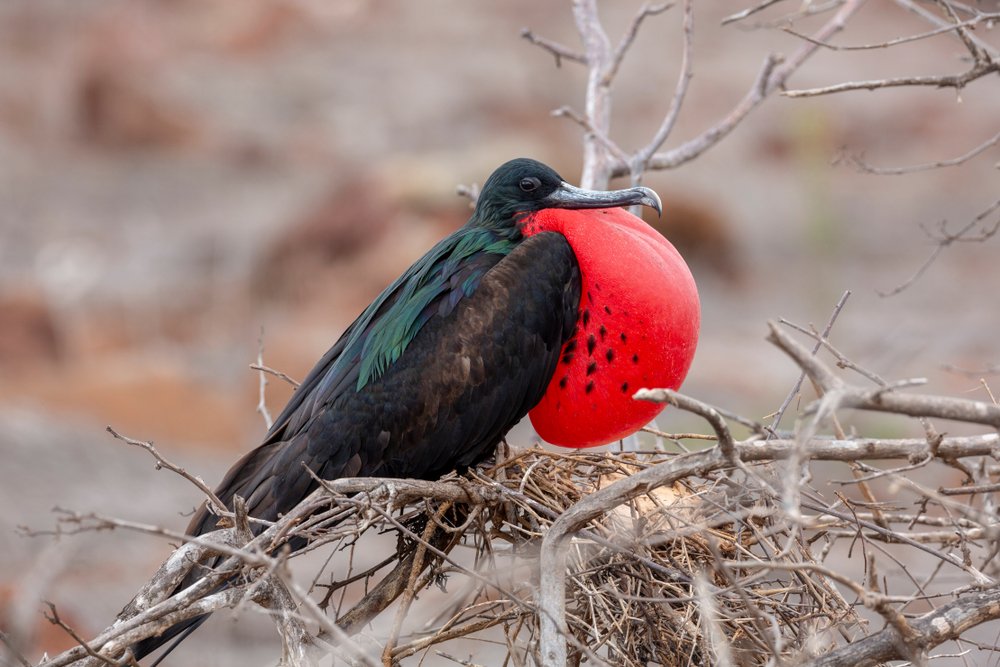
177 633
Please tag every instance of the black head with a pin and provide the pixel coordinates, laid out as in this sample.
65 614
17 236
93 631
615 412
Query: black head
524 185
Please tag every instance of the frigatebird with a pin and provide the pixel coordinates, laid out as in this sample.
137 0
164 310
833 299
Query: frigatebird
538 302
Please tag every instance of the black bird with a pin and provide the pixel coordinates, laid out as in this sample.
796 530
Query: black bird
439 367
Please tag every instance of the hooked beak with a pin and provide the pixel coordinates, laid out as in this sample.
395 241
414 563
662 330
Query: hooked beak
570 196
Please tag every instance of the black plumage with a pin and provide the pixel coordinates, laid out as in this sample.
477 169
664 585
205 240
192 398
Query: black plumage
436 371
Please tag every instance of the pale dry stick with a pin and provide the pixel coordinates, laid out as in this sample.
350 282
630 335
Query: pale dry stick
969 490
885 399
722 433
597 104
55 620
749 11
277 374
217 506
963 32
774 72
559 51
863 166
716 641
946 240
934 19
957 81
941 537
298 646
460 661
6 640
328 628
806 9
410 591
162 584
872 599
970 23
980 580
631 33
262 384
590 130
984 519
677 436
842 360
641 158
802 375
948 622
446 634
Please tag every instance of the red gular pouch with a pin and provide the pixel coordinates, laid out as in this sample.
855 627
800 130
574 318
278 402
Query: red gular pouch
637 327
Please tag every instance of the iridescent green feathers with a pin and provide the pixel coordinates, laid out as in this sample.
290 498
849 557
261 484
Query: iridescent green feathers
451 271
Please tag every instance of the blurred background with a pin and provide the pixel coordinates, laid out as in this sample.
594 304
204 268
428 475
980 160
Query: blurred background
179 176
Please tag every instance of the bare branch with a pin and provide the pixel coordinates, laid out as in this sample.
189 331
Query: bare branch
218 507
598 98
946 239
12 649
860 164
883 400
899 40
957 81
798 383
262 385
711 415
631 32
749 11
53 618
932 629
773 74
277 374
641 160
559 51
934 19
613 148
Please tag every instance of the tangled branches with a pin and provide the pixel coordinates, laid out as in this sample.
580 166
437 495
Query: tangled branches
716 556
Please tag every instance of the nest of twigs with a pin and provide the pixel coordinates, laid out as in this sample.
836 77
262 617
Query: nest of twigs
671 577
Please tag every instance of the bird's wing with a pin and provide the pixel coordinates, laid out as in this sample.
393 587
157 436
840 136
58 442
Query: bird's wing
432 286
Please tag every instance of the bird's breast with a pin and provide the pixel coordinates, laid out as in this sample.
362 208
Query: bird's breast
637 327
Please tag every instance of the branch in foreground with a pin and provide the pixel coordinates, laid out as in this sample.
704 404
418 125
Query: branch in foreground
934 628
549 497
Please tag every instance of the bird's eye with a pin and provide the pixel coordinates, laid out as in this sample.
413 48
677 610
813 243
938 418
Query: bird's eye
529 184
